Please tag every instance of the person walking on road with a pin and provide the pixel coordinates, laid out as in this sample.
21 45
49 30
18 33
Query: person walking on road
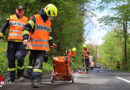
36 34
16 49
118 65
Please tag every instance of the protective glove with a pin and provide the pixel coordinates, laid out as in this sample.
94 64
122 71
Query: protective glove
25 42
53 45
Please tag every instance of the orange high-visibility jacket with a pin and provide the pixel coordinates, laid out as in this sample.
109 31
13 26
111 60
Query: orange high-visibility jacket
16 27
70 54
39 38
85 52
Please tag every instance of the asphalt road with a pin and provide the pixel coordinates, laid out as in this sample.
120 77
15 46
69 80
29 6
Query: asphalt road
97 79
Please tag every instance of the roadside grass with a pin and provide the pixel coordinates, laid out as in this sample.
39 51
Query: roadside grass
3 59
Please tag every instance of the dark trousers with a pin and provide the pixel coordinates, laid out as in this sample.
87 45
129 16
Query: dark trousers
30 67
86 64
37 58
16 50
118 67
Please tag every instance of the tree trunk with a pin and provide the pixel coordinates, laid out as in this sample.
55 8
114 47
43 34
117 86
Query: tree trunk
59 47
125 46
53 33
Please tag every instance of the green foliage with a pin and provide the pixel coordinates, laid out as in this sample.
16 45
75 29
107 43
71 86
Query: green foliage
3 59
122 17
113 49
109 50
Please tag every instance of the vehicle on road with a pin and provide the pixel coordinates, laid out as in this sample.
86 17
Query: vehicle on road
91 62
91 66
105 66
97 65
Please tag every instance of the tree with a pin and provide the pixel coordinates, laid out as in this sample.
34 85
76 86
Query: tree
122 17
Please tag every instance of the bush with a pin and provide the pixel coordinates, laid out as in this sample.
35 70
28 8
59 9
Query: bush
3 59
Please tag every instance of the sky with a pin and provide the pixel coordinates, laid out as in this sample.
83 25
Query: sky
96 32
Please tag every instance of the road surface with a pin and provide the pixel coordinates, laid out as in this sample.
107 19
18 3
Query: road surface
97 79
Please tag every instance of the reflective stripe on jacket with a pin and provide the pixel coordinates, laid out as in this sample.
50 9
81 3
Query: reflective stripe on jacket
16 27
39 38
85 51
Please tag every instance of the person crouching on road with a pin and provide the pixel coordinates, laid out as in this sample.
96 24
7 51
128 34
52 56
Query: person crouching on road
70 54
36 33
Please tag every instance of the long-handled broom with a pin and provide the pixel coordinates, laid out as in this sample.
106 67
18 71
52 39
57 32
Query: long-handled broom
79 72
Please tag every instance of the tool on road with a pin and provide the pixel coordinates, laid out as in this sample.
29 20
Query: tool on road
76 68
79 72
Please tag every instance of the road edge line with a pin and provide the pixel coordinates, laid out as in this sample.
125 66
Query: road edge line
123 79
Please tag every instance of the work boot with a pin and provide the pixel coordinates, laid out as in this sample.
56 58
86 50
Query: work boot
21 78
40 82
9 81
36 85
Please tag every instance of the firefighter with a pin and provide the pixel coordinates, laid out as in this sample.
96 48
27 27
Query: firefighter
85 54
30 64
16 49
36 33
70 54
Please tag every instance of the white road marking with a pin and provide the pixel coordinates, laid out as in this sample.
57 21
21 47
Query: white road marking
123 79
